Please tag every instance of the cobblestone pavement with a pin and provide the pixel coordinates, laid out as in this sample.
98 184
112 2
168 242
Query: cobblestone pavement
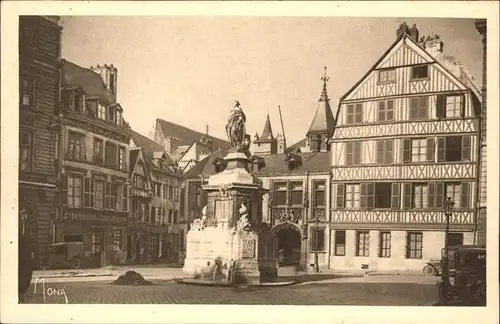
167 292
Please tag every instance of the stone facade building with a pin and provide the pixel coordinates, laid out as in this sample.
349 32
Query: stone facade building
406 138
94 162
297 206
39 69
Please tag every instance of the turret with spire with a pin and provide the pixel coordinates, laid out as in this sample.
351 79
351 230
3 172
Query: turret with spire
266 143
322 125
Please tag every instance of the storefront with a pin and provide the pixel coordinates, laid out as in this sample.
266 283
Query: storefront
102 234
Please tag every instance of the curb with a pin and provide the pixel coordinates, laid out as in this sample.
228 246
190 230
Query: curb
196 282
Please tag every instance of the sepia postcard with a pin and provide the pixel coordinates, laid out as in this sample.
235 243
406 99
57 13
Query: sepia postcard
249 162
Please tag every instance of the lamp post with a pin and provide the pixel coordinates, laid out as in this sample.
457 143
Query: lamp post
448 211
316 257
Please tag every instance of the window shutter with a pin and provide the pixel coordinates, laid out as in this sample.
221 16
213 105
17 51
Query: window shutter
86 194
34 93
431 195
464 195
363 191
64 190
380 152
125 197
407 201
413 108
370 194
462 105
92 192
406 150
466 148
431 148
440 106
396 195
439 194
340 196
441 149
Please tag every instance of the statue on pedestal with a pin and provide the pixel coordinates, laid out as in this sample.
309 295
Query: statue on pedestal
235 127
200 223
243 220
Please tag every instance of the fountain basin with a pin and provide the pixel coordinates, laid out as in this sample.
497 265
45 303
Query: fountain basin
203 282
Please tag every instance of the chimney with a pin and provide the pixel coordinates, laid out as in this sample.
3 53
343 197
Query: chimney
206 129
433 45
109 76
414 33
403 29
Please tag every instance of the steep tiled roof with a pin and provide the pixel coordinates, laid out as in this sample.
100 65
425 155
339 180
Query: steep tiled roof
91 82
133 156
296 146
150 146
274 165
267 132
323 121
312 162
187 136
205 167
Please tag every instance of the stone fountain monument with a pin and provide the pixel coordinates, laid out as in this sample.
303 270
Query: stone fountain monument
229 242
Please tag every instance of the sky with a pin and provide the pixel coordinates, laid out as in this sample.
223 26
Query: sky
190 70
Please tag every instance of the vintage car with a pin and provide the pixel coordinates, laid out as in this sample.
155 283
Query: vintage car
434 267
465 282
65 255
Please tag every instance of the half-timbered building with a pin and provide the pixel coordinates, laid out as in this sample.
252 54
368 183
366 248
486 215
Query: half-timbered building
481 231
164 235
94 168
39 54
406 138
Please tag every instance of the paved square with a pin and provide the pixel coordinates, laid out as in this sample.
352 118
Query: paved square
168 292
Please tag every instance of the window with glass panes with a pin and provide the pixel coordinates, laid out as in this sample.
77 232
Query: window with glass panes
420 195
453 191
419 150
117 239
362 243
385 245
99 194
96 242
317 242
75 146
353 153
385 151
414 245
352 195
386 110
121 158
339 242
101 111
419 108
74 191
454 106
319 194
119 196
25 150
387 76
280 193
354 113
26 91
97 154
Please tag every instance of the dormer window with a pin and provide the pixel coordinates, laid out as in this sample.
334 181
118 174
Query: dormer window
111 114
293 161
101 111
118 118
79 103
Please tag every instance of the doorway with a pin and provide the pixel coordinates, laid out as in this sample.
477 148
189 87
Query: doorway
289 246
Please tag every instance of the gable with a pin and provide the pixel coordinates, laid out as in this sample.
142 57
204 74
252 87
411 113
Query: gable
402 57
404 54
